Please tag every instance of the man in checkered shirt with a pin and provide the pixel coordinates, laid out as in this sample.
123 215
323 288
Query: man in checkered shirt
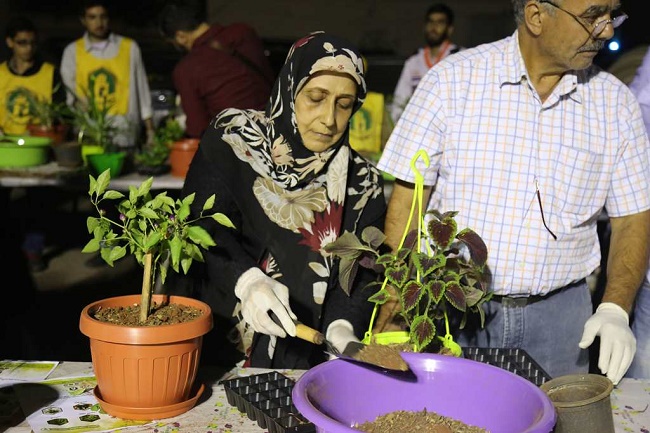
529 142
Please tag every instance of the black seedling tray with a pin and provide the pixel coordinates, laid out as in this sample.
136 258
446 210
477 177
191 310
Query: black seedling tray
266 398
516 361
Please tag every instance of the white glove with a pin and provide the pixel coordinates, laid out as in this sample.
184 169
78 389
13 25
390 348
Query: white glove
339 334
617 342
260 293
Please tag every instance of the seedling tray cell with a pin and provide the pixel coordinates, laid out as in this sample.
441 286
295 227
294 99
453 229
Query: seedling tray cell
516 361
266 398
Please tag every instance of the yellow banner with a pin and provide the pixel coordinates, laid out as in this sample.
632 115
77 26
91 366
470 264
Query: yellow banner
366 124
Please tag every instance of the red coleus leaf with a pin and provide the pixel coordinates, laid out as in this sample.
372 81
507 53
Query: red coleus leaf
422 332
397 275
381 297
443 232
477 248
437 290
411 294
455 295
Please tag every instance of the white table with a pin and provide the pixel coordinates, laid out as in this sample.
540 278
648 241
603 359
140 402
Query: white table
213 414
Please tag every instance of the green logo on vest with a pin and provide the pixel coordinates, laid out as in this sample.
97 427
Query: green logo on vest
18 107
102 84
361 124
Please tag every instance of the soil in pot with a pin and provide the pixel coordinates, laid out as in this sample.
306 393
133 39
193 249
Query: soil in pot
162 314
402 421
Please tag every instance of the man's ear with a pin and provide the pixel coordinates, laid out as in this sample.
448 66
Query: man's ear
533 17
450 31
9 42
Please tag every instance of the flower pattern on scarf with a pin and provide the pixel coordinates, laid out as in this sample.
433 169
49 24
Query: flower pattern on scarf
290 210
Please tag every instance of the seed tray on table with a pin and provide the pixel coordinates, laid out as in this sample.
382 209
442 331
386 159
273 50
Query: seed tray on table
266 398
516 361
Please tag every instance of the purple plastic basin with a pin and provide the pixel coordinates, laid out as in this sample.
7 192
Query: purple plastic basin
338 394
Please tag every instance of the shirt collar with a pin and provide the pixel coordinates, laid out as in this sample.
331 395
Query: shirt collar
101 46
513 71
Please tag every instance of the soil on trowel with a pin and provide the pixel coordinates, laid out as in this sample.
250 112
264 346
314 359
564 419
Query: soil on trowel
384 355
403 421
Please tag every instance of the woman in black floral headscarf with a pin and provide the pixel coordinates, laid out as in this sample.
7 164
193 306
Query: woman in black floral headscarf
291 184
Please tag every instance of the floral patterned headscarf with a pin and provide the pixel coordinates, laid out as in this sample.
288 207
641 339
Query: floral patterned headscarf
273 142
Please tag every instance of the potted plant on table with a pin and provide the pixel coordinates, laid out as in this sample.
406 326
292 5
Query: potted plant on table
95 130
49 118
146 348
154 159
431 271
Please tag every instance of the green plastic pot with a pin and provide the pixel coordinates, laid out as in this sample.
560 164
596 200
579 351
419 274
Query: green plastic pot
112 161
24 150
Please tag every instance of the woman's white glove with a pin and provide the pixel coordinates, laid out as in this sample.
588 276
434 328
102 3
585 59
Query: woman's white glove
339 334
260 294
617 342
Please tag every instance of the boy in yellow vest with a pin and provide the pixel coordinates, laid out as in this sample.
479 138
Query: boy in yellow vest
24 73
110 66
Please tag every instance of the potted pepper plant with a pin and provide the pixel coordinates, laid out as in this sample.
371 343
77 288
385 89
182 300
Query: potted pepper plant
146 348
49 118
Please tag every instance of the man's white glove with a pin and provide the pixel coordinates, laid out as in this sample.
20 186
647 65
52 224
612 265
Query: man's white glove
260 294
339 334
617 342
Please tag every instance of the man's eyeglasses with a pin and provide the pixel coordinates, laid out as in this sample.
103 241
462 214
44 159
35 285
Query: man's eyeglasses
595 28
25 42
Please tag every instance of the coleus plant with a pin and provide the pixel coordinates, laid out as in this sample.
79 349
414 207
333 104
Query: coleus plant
447 269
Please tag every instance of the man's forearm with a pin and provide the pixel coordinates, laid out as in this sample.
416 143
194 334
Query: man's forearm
399 208
628 257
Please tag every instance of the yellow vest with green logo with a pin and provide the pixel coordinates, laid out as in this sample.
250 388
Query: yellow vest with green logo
107 79
15 109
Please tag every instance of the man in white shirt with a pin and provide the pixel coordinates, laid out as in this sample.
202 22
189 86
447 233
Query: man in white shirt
103 58
438 27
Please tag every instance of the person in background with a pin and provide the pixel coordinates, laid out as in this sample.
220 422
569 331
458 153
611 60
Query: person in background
438 28
640 368
528 141
290 182
225 66
26 75
110 65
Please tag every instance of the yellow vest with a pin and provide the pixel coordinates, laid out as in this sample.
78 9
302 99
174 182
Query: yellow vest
107 79
15 109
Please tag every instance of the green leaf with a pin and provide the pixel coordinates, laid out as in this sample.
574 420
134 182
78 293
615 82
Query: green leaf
175 248
103 181
347 245
200 236
148 213
223 220
347 271
92 223
152 240
144 187
209 203
117 253
91 246
373 236
112 195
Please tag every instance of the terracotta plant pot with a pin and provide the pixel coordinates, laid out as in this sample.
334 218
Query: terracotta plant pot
146 372
57 133
182 154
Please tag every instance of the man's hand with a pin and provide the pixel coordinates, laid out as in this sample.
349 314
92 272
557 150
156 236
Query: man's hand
617 342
